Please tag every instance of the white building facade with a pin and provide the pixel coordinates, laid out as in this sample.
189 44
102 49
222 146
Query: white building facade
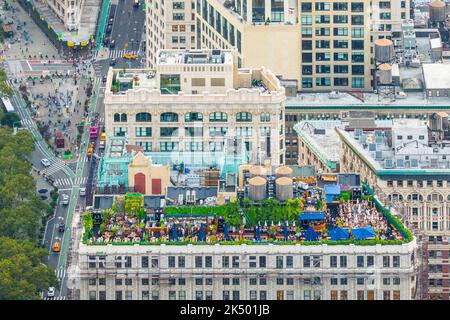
247 272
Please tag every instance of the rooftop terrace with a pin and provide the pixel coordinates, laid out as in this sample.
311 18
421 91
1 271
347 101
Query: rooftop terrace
308 219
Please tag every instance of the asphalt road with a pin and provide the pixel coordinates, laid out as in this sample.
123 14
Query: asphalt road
127 32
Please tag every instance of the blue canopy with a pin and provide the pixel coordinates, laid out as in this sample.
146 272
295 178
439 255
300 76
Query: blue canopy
311 216
226 231
311 235
363 233
285 232
339 233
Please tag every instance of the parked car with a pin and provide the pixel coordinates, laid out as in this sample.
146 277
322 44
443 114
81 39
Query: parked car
65 199
82 192
106 41
45 162
51 292
61 227
112 44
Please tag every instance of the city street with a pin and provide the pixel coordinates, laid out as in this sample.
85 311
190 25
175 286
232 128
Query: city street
127 33
37 69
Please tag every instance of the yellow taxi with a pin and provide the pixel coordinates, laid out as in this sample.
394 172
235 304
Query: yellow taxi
129 56
56 246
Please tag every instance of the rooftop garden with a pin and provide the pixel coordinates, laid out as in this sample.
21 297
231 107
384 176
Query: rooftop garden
306 220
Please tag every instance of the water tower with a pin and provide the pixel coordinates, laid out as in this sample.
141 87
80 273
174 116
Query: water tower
384 58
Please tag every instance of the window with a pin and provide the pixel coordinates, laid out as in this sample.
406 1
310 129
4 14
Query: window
225 295
199 281
386 261
360 281
171 261
279 262
340 6
289 262
262 261
168 146
340 31
198 262
344 281
118 282
128 282
306 7
143 117
340 18
333 261
155 263
307 44
323 56
128 262
396 261
92 281
322 6
178 16
357 44
340 56
244 117
253 295
358 57
120 131
357 32
306 262
208 262
169 117
357 6
334 281
265 117
118 295
357 82
218 117
235 262
225 262
143 132
357 20
306 20
370 261
340 44
181 262
343 261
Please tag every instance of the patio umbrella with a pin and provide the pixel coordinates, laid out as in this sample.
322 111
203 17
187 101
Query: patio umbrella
363 233
174 232
226 231
338 234
202 233
311 235
285 232
258 233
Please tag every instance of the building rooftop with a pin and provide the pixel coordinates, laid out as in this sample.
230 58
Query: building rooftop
190 56
343 220
403 146
436 75
322 138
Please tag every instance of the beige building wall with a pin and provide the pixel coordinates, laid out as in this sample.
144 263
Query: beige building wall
142 164
387 16
169 26
68 11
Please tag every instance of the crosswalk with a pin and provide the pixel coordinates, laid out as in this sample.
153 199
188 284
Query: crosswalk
80 181
26 122
63 182
114 54
60 273
55 298
66 182
54 167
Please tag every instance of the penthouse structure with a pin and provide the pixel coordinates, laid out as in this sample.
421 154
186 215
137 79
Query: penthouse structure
198 100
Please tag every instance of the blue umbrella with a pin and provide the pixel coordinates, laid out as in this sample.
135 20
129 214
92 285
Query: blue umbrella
258 232
201 236
311 235
338 234
226 231
174 232
285 232
363 233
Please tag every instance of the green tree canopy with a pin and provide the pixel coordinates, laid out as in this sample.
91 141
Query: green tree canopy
22 274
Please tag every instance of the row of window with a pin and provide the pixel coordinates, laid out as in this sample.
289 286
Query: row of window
356 57
254 261
192 117
326 68
253 295
418 183
356 20
357 83
337 6
253 281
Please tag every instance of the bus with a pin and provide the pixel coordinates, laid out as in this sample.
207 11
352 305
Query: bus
93 132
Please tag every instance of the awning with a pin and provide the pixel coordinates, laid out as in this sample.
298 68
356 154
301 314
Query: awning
329 177
311 216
